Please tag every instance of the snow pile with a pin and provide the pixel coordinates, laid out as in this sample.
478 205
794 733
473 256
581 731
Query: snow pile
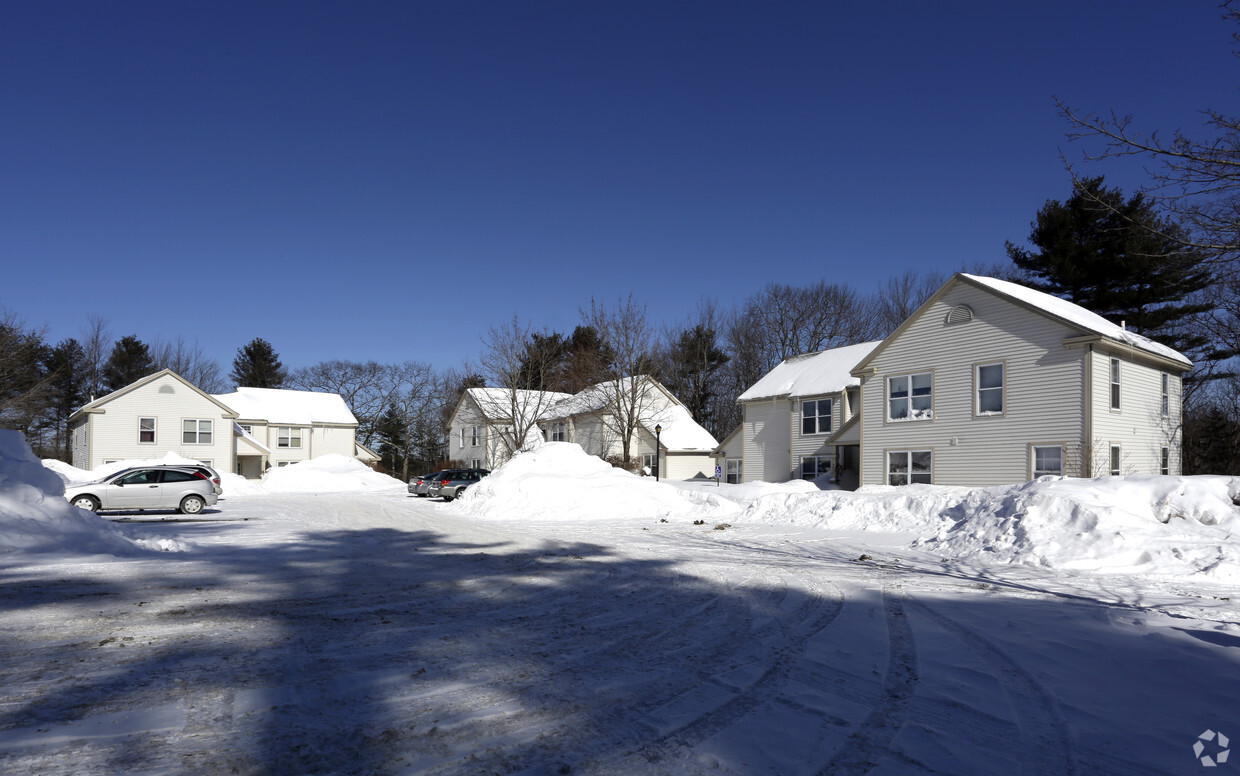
327 474
1134 524
71 475
917 509
34 515
560 481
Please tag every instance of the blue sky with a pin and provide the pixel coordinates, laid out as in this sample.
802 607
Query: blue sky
387 180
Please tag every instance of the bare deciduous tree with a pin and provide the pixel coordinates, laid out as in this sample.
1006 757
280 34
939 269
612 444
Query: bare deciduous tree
189 362
626 393
514 405
365 387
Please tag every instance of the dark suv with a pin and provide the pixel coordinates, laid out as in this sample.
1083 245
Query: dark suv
452 483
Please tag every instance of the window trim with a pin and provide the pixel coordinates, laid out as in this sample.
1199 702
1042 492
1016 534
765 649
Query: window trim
887 472
1033 458
475 434
1116 460
817 417
1166 395
1164 460
1116 381
728 472
281 437
198 432
830 459
909 418
153 431
977 389
559 432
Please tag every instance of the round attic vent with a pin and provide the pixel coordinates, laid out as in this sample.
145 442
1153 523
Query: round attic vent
166 389
961 313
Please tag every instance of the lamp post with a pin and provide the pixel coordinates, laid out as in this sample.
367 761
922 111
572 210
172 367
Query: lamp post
658 430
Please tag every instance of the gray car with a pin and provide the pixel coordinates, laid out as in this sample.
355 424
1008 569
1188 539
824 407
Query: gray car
420 486
452 483
146 487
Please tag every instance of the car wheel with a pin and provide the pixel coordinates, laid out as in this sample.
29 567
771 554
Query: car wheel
192 505
89 503
448 497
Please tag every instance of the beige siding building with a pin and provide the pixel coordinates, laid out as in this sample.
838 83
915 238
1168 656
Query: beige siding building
990 382
987 383
482 432
245 432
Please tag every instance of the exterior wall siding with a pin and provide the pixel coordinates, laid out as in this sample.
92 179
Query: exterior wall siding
767 441
1043 392
813 444
1138 426
114 432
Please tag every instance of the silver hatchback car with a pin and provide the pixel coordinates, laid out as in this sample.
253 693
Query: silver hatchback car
148 487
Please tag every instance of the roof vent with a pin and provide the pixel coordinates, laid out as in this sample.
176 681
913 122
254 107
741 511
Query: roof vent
166 389
961 313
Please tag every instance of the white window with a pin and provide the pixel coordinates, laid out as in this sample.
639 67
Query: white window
814 466
650 462
196 432
246 427
905 467
288 436
559 432
1165 466
475 463
475 434
910 397
732 471
462 436
989 380
1166 394
146 431
1115 383
282 464
1047 459
816 416
1116 455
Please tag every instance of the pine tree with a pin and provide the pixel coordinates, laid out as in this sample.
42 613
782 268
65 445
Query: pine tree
1118 258
66 390
257 365
130 361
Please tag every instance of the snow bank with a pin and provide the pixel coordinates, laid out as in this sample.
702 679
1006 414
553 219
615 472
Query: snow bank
71 475
327 474
560 481
1133 524
35 517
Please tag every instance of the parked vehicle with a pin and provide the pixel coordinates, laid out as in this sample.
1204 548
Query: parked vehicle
420 486
207 471
146 487
452 483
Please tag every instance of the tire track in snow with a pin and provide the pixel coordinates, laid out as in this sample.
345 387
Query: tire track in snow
869 742
1046 745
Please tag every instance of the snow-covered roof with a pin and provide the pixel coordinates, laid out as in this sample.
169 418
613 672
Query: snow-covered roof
811 374
280 405
496 403
600 395
680 432
1075 315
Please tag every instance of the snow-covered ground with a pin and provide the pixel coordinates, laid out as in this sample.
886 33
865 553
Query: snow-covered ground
566 618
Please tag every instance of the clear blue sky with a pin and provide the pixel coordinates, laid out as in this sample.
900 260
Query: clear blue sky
387 180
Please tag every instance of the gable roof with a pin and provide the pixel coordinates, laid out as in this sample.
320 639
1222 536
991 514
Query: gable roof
294 408
96 406
495 404
1067 313
811 374
680 430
